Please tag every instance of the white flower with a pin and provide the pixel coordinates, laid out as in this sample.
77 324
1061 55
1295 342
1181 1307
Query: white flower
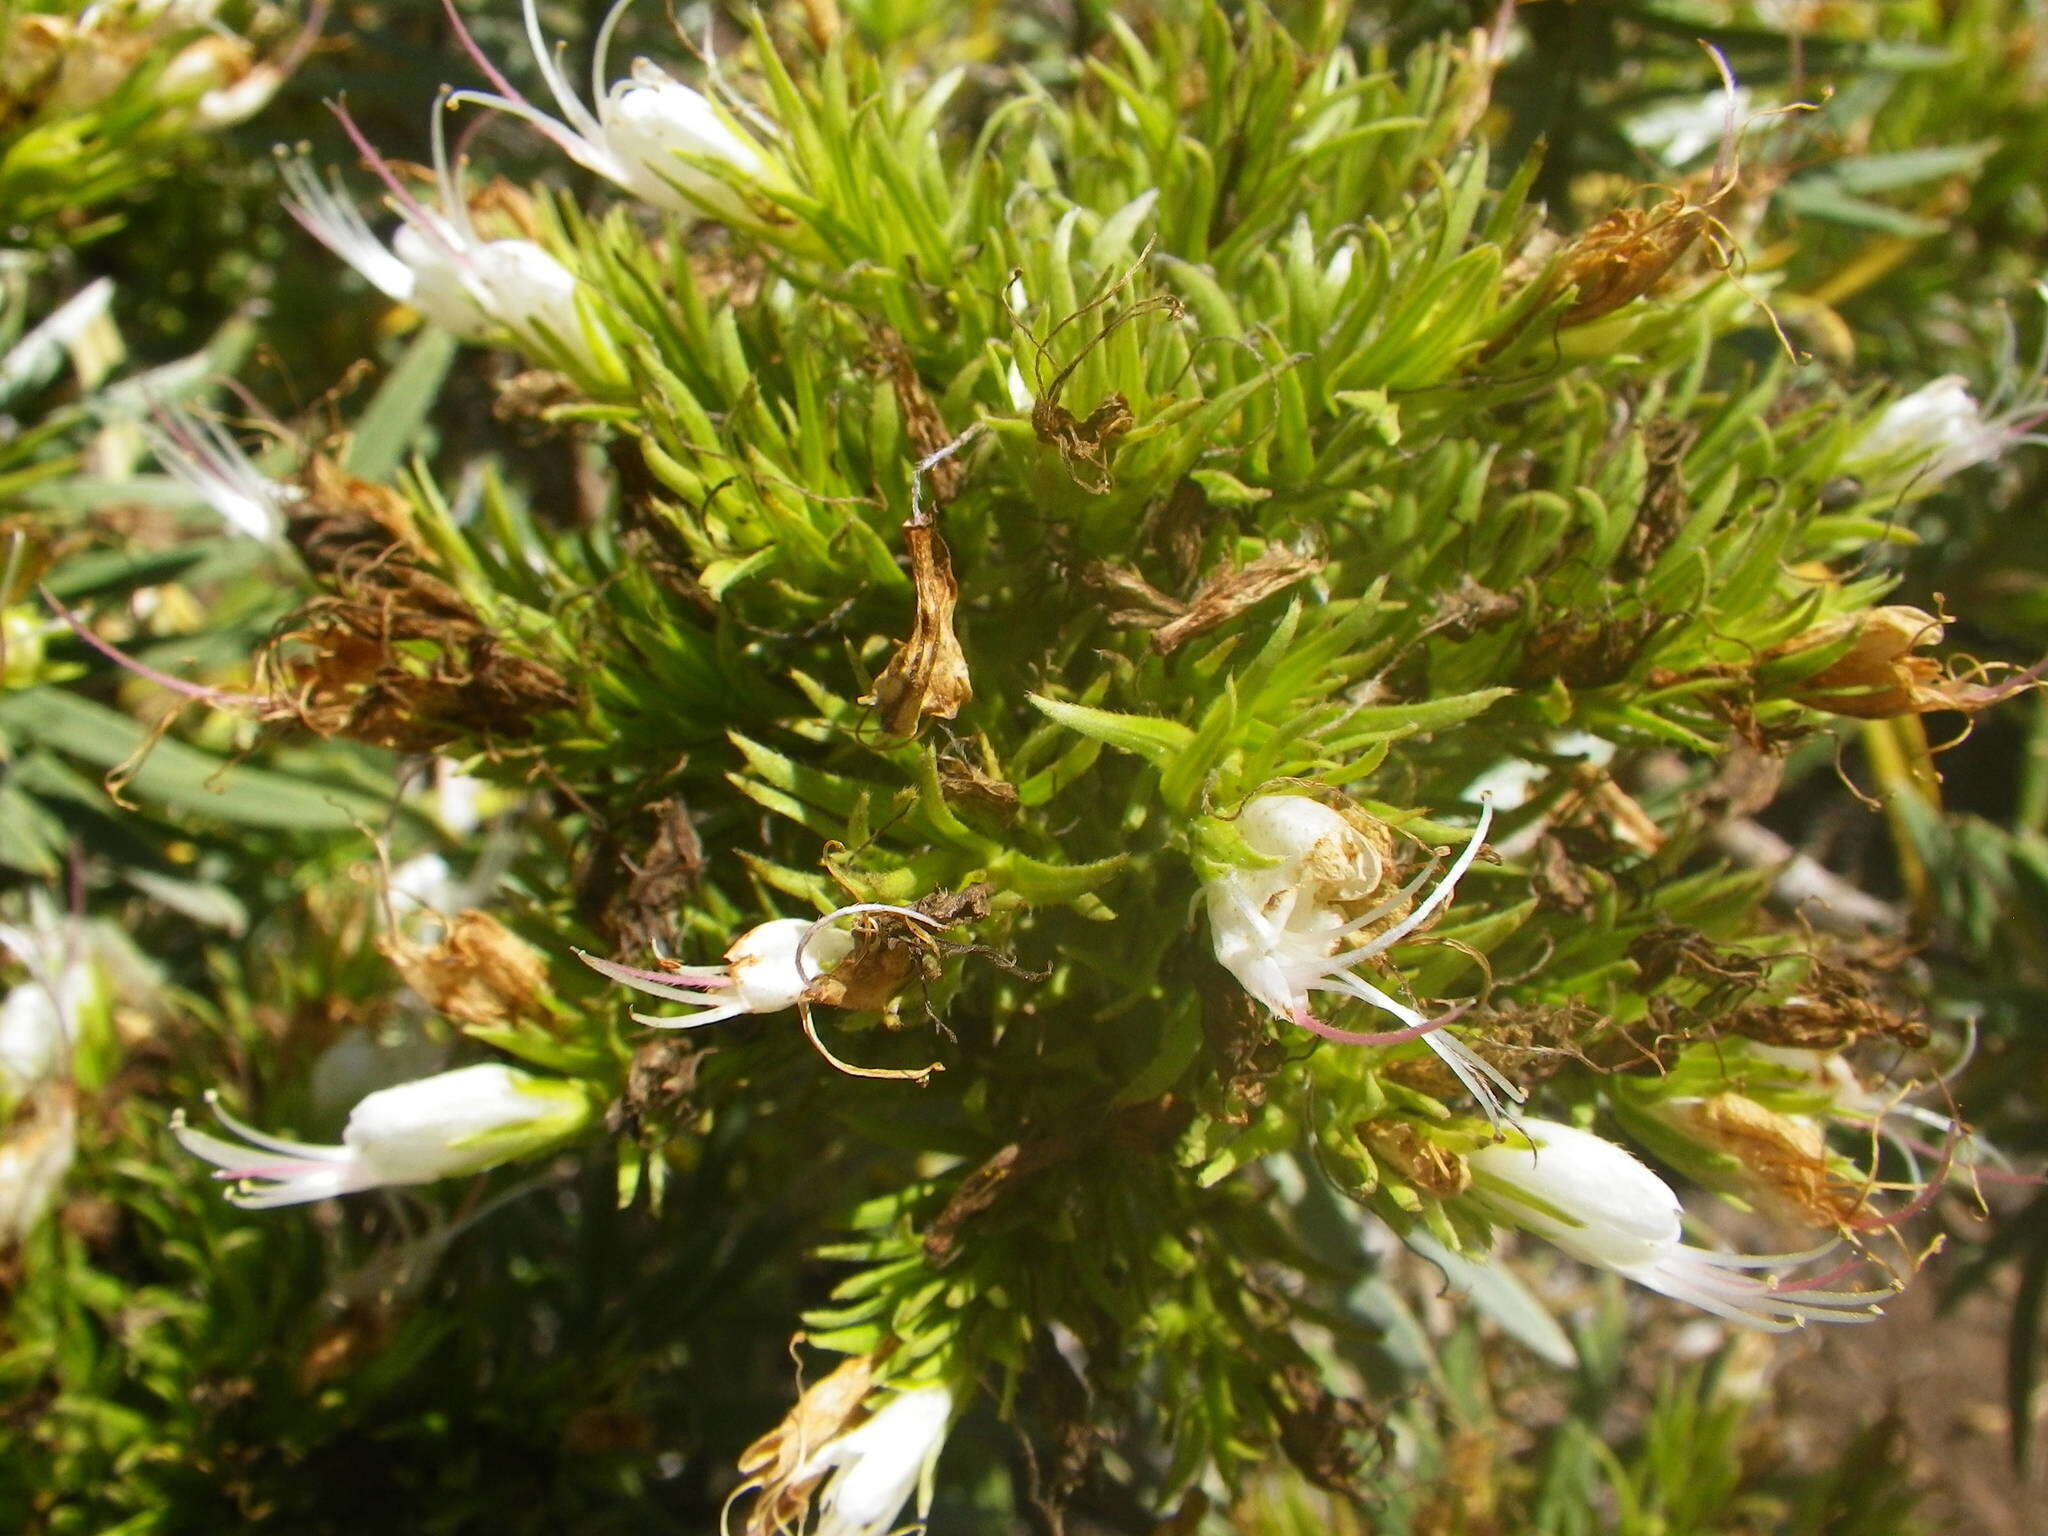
770 967
1939 429
1679 132
38 354
439 262
1892 1114
209 461
35 1040
647 131
876 1467
41 1017
1280 929
35 1156
437 1128
1601 1206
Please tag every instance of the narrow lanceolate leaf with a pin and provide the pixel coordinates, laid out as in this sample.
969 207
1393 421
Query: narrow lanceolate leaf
179 777
1159 742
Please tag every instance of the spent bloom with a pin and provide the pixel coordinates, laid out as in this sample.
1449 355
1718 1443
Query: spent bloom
439 262
1282 929
1600 1205
439 1127
649 133
873 1469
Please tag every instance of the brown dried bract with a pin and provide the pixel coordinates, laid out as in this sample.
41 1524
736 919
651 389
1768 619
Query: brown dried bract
1882 675
977 791
984 1187
1470 608
1244 1052
481 974
1837 1005
1320 1430
868 979
1230 592
1585 653
660 1080
928 674
1089 440
667 871
1088 444
1662 511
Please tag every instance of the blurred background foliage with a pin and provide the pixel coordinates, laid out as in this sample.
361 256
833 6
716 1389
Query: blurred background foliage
168 1364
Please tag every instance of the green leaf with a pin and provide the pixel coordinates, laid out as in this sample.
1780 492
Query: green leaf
1158 741
181 777
387 429
1495 1290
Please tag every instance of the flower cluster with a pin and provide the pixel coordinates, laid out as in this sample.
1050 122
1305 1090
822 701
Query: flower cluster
652 136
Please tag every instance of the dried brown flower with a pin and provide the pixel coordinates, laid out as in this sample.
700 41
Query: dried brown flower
480 974
928 674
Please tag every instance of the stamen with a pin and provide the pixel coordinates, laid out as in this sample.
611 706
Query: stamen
1445 890
478 57
679 986
430 227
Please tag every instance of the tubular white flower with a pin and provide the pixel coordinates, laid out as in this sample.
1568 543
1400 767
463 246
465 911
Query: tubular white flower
440 1127
645 132
768 968
438 261
35 1039
876 1467
1892 1113
1596 1202
1280 929
1939 428
203 455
